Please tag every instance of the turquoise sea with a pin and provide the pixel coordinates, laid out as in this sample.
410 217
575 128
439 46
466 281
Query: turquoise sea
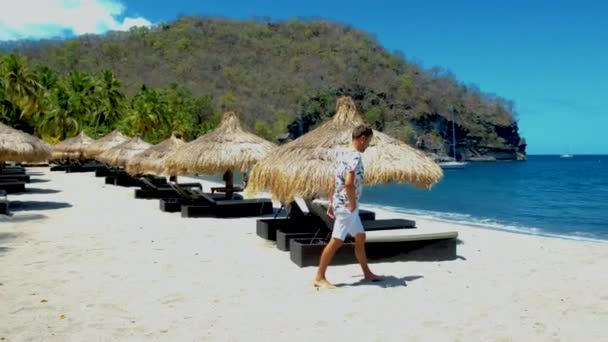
546 195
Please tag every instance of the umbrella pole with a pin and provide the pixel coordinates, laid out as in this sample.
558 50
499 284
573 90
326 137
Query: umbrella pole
228 178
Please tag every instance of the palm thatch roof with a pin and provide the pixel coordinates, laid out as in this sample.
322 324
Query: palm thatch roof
107 142
21 147
152 161
72 148
121 153
228 148
306 166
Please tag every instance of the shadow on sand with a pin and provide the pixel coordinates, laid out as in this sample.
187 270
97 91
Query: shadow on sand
38 180
5 237
22 217
386 282
16 206
40 191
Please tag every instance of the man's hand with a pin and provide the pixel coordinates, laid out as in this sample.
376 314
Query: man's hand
330 211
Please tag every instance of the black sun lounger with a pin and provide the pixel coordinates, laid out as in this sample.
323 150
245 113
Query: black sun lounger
206 205
15 177
317 222
187 196
12 187
122 178
4 203
12 170
153 190
414 246
87 166
103 171
296 222
385 238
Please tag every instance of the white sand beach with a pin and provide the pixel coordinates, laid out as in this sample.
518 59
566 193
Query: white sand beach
95 264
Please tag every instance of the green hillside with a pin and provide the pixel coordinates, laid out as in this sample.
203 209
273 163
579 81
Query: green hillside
280 77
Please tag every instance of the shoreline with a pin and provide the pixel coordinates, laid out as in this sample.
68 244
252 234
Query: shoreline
83 260
494 226
418 215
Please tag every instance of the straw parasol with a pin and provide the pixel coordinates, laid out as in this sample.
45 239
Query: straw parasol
21 147
228 148
306 166
107 142
119 155
152 160
72 148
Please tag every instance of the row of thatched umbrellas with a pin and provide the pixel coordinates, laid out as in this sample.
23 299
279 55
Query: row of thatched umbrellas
303 167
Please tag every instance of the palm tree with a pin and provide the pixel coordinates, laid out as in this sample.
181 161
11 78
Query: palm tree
21 86
7 109
47 77
81 90
59 121
111 100
148 112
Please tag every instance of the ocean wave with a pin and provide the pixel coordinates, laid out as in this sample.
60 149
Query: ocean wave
487 223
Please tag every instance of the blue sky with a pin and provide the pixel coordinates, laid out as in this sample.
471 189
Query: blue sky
549 57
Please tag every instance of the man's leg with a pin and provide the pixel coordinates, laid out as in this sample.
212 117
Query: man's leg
328 253
362 258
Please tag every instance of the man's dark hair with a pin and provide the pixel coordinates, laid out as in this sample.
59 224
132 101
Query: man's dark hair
362 131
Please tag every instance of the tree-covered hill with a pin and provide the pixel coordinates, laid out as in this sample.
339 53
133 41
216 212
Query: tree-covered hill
281 77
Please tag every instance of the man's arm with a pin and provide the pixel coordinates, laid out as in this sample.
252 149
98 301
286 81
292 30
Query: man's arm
330 197
351 192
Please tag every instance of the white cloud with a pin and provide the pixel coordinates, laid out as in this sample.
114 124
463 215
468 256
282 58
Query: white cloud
52 18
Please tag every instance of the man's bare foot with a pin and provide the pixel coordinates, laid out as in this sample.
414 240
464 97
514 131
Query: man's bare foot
372 277
323 283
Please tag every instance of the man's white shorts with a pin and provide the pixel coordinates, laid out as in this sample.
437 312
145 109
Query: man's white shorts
346 223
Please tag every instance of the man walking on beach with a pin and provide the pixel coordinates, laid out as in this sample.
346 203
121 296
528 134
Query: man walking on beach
344 205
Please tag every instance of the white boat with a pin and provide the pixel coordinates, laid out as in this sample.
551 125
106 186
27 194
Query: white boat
569 154
452 164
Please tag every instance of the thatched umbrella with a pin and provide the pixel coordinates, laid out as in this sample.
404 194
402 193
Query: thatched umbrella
21 147
107 142
152 160
118 155
72 148
306 166
228 148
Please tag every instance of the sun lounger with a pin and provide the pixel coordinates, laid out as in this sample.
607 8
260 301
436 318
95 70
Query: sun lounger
102 171
4 203
122 178
88 166
296 221
15 177
59 165
318 224
12 170
12 187
284 237
187 196
229 191
414 245
320 211
152 190
16 167
205 205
